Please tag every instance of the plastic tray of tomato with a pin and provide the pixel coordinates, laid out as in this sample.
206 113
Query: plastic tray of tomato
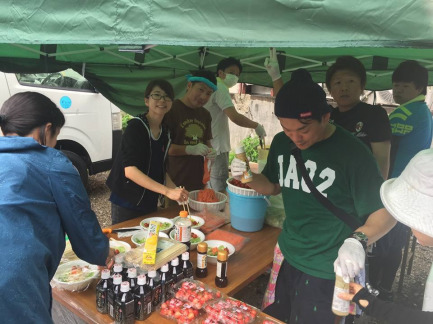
229 311
196 293
179 311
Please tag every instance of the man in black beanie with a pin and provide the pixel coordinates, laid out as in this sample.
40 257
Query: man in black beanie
313 241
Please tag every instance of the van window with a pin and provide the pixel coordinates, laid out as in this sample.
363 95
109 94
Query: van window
68 79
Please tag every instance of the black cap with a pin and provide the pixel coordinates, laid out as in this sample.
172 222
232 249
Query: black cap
301 97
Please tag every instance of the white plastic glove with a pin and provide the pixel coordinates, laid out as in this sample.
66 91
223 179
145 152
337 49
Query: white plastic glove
212 154
238 167
351 258
271 65
260 131
198 149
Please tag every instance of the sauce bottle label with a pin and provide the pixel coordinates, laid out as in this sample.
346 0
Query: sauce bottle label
220 273
183 233
201 261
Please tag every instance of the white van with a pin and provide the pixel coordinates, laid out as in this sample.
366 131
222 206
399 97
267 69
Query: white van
93 128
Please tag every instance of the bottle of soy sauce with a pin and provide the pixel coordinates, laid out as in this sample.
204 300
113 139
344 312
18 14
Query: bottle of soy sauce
221 280
155 285
132 278
187 269
124 306
142 299
201 270
118 269
167 282
102 288
112 293
176 270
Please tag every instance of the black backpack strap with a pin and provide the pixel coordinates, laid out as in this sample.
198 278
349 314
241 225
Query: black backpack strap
349 220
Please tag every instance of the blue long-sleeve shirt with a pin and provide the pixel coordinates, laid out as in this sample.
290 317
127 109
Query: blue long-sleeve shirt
41 199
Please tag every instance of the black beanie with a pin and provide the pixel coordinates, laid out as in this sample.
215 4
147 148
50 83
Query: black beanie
301 98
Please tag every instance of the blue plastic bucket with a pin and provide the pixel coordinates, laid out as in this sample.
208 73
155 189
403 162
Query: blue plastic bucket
247 214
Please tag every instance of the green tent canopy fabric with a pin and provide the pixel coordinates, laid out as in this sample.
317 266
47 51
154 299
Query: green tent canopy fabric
120 45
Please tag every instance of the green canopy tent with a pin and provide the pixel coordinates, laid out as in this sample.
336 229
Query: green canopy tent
119 45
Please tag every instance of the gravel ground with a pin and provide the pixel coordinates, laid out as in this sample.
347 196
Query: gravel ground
411 294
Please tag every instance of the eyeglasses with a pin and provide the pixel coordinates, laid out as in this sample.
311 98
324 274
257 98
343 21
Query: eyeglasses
157 96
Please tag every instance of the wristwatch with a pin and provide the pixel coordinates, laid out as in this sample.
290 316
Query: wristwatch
360 237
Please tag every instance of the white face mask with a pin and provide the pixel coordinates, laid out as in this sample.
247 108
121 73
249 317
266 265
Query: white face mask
230 80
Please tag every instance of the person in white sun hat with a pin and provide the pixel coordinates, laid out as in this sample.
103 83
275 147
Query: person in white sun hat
409 198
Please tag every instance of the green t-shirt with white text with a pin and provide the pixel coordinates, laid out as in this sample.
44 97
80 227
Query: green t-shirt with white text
343 169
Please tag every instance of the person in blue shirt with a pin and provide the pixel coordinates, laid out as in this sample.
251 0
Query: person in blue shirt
411 125
42 198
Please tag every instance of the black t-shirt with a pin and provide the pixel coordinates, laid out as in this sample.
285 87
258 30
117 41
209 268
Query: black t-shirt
367 122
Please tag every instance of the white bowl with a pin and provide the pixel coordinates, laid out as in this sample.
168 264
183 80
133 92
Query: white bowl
123 247
139 238
200 206
75 285
162 220
200 234
217 243
200 221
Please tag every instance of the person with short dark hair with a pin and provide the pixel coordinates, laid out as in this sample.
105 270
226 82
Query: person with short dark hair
42 198
313 240
191 133
137 177
346 80
222 109
411 125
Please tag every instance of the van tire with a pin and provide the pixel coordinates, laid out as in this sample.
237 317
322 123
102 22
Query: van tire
79 164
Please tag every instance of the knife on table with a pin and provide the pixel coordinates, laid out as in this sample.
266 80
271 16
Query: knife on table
120 230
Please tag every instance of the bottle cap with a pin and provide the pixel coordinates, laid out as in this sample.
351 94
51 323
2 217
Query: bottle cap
222 256
124 287
117 279
118 258
183 213
185 256
164 268
239 150
175 262
117 267
132 273
105 274
151 274
202 247
141 280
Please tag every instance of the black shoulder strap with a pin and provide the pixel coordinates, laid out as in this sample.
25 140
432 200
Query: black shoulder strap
350 221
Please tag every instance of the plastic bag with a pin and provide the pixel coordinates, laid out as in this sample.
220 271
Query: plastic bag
275 214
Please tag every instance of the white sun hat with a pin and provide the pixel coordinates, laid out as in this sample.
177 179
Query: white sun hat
409 198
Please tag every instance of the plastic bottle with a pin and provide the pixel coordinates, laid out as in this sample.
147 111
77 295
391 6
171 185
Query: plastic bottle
201 270
183 229
155 285
120 259
132 278
167 282
247 176
102 288
221 280
112 293
187 268
124 306
142 299
117 269
176 270
340 307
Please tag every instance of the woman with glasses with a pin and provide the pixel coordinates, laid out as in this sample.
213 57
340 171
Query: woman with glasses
137 178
